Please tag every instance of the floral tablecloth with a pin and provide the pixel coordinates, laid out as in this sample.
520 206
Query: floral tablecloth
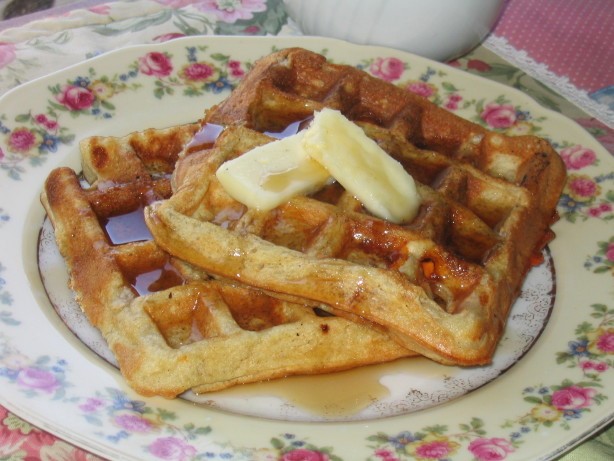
89 28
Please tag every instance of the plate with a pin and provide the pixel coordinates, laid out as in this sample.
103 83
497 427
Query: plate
556 393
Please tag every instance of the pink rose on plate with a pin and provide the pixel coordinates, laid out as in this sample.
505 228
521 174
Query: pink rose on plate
582 188
388 69
493 449
499 115
35 378
600 209
7 54
435 449
423 89
577 157
76 97
133 422
302 454
172 449
233 10
605 342
588 365
200 71
22 140
235 69
155 64
573 398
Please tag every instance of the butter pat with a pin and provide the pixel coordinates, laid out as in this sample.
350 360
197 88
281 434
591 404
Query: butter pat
363 168
332 146
272 174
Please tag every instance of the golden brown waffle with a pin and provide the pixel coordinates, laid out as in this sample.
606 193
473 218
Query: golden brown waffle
181 330
441 285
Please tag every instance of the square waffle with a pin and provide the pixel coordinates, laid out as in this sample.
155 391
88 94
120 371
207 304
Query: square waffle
441 285
182 330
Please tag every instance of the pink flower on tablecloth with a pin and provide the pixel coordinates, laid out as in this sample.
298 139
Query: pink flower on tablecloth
155 64
7 54
100 9
302 454
573 398
426 90
577 157
35 378
479 65
167 37
38 439
175 3
10 442
388 69
493 449
172 449
60 450
252 30
76 97
231 11
499 115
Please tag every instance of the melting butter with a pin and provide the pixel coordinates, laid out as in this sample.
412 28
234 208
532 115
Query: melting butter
331 147
363 168
272 174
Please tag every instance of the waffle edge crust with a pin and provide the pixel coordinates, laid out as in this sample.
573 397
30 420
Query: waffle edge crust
316 284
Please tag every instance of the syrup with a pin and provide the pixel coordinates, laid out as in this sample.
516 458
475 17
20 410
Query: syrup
290 130
156 280
332 395
127 227
204 138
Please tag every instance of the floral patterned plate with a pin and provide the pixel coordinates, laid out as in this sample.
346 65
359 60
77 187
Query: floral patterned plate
556 393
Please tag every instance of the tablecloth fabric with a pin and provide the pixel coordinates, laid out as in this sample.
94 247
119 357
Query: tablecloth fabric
566 44
526 36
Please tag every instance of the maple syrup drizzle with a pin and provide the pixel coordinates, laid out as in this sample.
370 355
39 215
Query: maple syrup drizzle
156 280
127 227
290 130
332 395
204 138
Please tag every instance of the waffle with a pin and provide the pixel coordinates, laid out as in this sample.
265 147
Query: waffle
441 285
181 330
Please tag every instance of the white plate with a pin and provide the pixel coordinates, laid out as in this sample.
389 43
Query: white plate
551 398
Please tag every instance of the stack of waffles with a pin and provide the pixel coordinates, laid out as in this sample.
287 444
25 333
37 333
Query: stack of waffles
317 284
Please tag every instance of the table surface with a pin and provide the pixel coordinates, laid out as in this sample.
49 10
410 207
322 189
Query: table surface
559 53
